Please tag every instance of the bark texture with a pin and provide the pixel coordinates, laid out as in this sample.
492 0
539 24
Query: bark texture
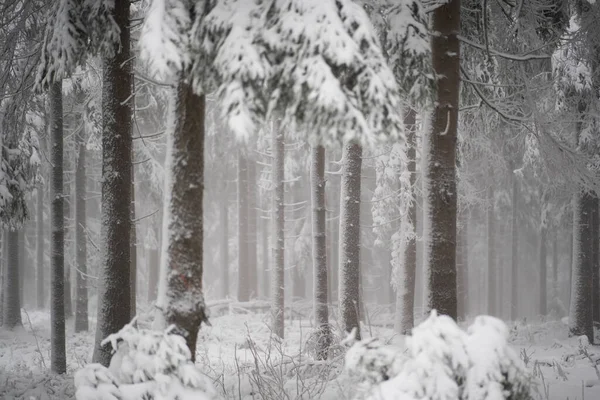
321 310
243 291
278 246
441 168
114 293
81 305
133 250
57 244
349 267
595 261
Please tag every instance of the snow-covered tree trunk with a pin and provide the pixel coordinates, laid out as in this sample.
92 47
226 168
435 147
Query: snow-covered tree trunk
492 279
277 232
321 310
81 305
133 249
39 250
595 259
514 275
113 292
580 313
57 244
224 242
349 267
12 302
441 161
180 294
243 290
405 302
252 228
543 304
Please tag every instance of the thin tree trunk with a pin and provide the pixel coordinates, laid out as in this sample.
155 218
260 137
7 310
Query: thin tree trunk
514 276
243 291
154 260
441 160
462 265
12 301
349 267
555 288
114 292
595 259
180 289
543 273
4 234
40 295
491 254
67 241
224 245
321 310
252 229
265 257
57 244
133 250
81 306
277 270
405 301
580 315
22 265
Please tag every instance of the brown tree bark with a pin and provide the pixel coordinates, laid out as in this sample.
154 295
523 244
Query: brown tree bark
441 168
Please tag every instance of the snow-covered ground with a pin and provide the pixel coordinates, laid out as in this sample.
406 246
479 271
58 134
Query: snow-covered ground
244 361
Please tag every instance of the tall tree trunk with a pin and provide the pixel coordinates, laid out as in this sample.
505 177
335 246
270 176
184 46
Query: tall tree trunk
12 300
81 306
265 257
133 250
252 229
595 260
349 267
68 222
180 288
491 254
321 310
514 275
277 233
22 265
243 291
39 240
57 244
580 315
3 288
462 266
555 288
224 245
114 291
154 251
405 302
441 160
543 273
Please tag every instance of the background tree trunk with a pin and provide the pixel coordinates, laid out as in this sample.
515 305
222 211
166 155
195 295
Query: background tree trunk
543 273
441 168
22 265
224 221
252 229
492 308
321 310
57 244
265 258
81 306
277 266
114 291
595 261
349 267
39 239
462 266
12 300
555 288
68 238
514 275
133 249
243 291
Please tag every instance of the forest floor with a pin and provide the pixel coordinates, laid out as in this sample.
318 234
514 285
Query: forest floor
239 343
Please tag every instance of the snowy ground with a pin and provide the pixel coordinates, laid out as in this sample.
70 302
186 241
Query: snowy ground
239 344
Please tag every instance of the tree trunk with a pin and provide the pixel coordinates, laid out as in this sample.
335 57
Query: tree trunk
180 289
81 306
3 263
277 270
580 315
265 257
154 260
68 238
39 239
543 273
114 291
12 300
224 246
514 275
252 229
595 259
441 162
405 302
462 266
243 291
491 254
22 265
133 250
555 288
321 310
57 244
349 267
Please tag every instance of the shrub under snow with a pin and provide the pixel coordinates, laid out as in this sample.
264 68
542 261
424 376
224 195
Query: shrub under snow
443 362
147 365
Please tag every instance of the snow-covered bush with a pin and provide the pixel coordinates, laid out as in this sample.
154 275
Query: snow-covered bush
147 365
443 362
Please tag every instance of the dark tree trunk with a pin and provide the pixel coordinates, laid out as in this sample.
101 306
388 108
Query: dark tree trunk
595 261
514 275
68 222
12 300
441 168
133 250
580 315
243 291
278 246
114 291
349 267
405 303
252 229
57 244
184 301
491 254
81 305
39 239
543 273
224 245
321 310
